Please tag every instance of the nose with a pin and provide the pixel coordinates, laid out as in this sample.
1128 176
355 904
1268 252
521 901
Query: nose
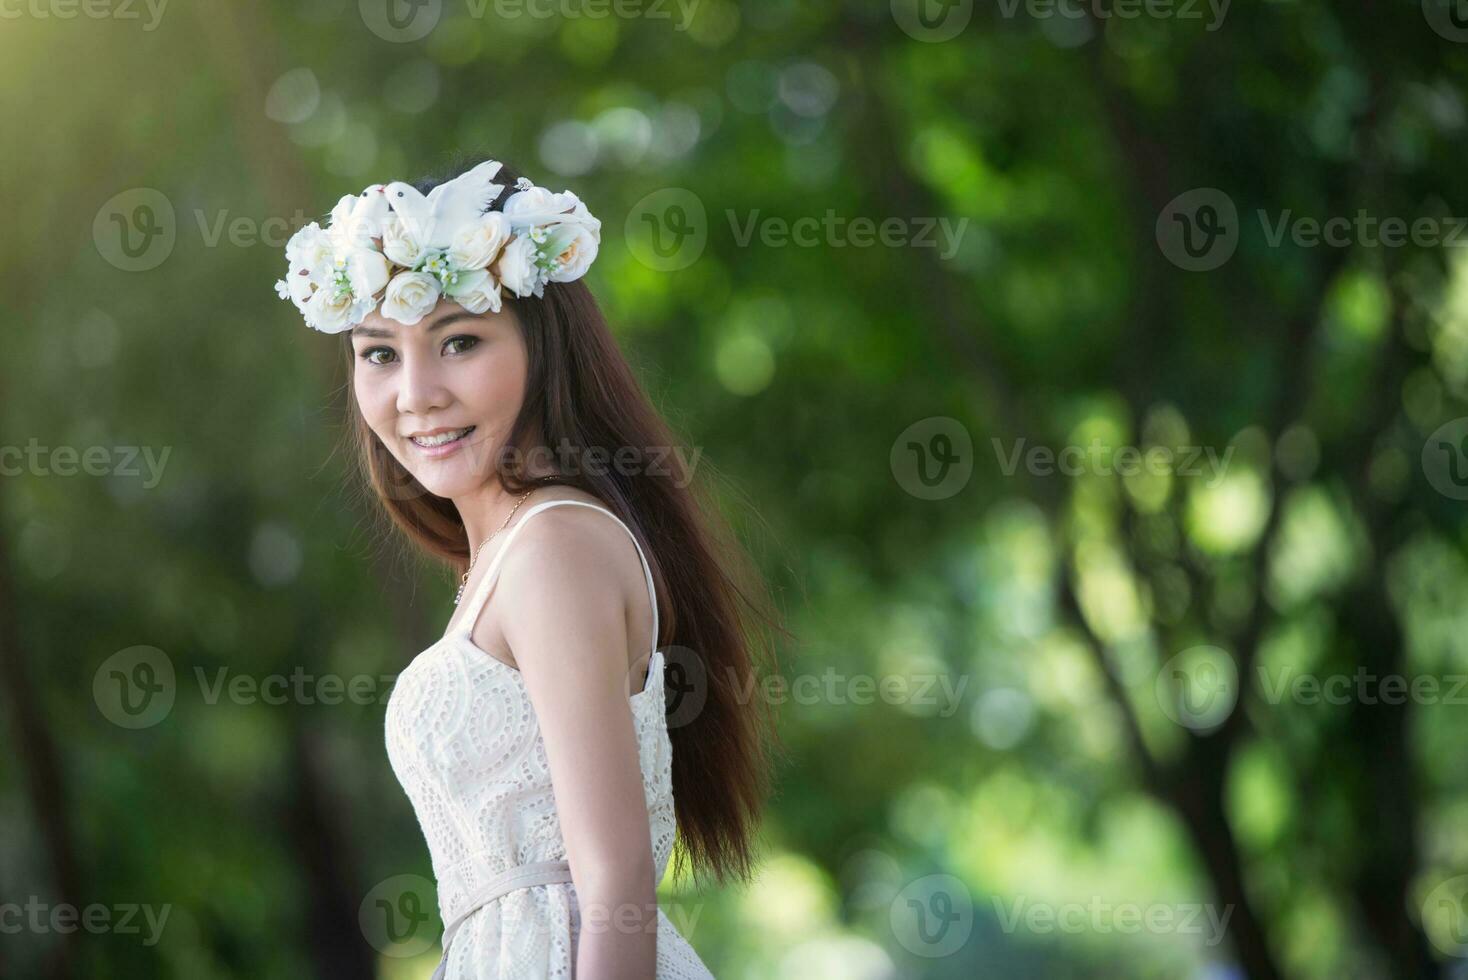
420 389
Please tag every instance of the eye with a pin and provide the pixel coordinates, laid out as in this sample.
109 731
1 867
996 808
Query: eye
368 354
467 343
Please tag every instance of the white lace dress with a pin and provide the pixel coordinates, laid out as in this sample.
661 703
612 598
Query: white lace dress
463 740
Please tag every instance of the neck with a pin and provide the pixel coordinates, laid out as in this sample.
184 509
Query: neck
485 510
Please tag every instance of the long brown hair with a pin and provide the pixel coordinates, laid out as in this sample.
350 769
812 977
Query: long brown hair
581 394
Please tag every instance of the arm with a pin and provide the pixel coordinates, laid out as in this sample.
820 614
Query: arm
566 627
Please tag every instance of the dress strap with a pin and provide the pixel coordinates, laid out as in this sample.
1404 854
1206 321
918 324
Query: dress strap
481 592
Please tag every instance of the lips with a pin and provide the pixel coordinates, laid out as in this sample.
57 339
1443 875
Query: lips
440 437
442 442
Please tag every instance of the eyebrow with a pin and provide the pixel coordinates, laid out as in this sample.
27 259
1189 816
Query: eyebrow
442 321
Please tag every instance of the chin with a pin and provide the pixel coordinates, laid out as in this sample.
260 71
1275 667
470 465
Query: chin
447 485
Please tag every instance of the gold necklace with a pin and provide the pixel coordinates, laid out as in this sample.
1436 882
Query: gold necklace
480 550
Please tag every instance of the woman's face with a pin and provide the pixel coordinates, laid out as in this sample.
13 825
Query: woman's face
451 371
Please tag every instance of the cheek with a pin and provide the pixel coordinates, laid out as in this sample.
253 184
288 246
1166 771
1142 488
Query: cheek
498 389
374 400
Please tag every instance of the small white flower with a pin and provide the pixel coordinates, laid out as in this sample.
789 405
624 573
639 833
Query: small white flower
479 244
282 289
410 296
476 291
516 268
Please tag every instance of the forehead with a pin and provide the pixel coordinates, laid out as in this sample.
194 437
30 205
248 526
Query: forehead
446 314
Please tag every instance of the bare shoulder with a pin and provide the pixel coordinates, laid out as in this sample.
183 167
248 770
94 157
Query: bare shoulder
572 552
570 584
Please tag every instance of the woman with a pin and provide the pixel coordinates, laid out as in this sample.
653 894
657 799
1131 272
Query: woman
503 433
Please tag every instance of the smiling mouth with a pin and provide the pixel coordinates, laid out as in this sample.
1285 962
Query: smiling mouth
441 439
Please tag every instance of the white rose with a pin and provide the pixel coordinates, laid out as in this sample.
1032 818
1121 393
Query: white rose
331 310
538 206
572 247
479 243
410 296
476 291
310 249
400 243
516 266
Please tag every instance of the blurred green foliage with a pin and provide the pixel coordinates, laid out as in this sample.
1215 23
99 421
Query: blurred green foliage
1320 540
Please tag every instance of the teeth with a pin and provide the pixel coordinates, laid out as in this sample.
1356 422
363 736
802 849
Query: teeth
441 438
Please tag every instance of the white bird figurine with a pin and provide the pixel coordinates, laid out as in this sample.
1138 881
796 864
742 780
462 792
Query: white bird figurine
358 218
435 219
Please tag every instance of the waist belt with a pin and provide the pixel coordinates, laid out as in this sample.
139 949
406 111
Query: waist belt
511 879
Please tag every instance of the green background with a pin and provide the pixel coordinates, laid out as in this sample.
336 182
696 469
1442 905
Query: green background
866 402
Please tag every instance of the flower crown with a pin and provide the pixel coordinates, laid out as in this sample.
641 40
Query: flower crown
393 245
